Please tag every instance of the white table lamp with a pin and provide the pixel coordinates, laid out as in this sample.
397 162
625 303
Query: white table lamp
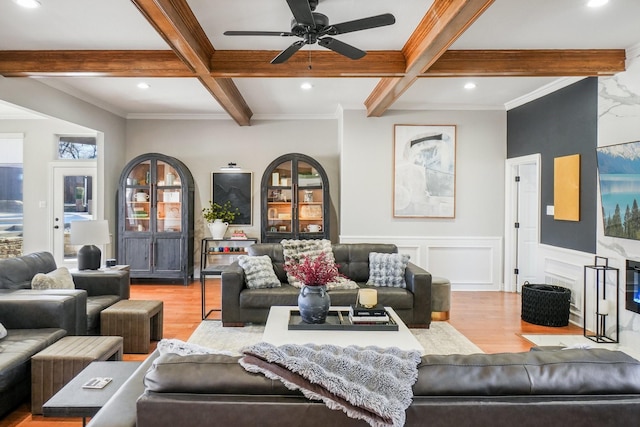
89 234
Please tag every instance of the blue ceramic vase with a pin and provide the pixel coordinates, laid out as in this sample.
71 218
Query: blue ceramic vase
313 303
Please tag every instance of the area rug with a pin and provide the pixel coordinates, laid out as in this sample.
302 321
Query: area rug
576 341
440 338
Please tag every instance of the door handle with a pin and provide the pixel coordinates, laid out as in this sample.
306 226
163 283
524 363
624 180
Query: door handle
56 227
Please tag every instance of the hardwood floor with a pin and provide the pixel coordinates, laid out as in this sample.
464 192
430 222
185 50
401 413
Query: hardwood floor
490 319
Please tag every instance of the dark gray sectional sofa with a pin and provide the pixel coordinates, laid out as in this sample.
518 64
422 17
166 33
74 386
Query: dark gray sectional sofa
35 319
32 325
548 387
242 305
94 291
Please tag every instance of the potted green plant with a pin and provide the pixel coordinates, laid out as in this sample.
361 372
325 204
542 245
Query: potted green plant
218 217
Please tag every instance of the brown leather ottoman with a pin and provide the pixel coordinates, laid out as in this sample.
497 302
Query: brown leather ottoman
56 365
137 321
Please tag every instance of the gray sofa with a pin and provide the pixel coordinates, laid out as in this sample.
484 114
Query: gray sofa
33 324
242 305
550 387
94 290
35 319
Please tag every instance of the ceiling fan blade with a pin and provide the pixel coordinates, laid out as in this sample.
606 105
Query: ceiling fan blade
258 33
302 12
362 24
288 52
341 48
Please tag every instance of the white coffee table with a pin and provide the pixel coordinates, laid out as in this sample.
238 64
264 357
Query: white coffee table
276 332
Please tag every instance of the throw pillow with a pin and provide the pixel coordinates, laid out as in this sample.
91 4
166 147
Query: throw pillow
3 331
295 250
258 271
387 269
56 279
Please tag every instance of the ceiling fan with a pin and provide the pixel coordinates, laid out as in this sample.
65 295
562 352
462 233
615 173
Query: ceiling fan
314 27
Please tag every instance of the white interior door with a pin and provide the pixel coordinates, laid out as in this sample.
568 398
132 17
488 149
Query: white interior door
74 195
522 221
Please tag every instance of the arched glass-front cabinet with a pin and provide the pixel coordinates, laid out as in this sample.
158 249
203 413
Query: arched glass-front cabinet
155 218
294 199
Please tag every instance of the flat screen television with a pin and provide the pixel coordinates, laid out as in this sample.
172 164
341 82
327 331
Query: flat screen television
619 176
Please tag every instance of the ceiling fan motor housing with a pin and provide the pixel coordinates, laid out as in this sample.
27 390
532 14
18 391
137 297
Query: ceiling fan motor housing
321 21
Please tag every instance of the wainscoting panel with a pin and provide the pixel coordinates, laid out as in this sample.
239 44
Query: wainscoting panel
564 267
470 263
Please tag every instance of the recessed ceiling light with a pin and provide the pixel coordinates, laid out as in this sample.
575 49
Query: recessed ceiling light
470 85
597 3
306 86
143 85
29 4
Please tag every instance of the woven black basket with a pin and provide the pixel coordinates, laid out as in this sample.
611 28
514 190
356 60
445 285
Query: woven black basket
545 305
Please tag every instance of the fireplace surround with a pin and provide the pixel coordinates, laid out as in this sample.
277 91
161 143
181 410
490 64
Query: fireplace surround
632 294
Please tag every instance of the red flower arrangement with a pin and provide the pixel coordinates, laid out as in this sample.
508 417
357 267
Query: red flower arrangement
316 271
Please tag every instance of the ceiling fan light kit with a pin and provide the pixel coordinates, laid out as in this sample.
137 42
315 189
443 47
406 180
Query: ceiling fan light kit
313 27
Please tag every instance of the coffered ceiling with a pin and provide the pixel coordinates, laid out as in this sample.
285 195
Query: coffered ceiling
99 50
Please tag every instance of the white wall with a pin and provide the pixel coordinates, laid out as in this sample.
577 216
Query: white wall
206 145
39 150
467 249
68 115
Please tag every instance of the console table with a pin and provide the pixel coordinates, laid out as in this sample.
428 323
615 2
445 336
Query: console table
222 252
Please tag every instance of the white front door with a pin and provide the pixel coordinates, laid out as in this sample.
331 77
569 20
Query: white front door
74 195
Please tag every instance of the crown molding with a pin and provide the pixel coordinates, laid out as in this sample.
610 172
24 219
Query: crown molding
633 53
543 91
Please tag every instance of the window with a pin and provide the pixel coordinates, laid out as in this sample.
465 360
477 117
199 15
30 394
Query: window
11 179
77 147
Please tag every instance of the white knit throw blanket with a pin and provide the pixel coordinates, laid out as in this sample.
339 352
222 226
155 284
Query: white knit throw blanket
370 383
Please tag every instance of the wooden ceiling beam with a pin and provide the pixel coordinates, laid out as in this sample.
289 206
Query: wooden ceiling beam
253 64
528 63
177 25
92 63
256 63
443 23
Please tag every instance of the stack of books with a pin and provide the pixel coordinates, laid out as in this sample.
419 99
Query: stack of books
238 235
371 315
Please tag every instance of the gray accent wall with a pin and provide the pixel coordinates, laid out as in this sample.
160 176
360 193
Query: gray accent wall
562 123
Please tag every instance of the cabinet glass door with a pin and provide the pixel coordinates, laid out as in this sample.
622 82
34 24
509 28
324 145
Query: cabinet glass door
310 199
169 199
138 198
280 213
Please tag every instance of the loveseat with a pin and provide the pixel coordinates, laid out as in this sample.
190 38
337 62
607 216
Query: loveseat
94 290
242 305
549 387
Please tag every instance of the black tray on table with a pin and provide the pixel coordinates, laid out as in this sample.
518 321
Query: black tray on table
338 320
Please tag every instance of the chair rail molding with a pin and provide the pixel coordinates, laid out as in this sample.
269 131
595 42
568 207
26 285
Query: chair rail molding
470 263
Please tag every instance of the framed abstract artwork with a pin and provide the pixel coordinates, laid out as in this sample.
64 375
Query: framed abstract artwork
424 171
236 187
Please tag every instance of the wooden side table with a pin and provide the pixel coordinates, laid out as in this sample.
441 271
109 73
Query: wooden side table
137 321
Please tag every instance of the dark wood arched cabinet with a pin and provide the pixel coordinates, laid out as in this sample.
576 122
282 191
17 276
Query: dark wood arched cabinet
155 218
294 199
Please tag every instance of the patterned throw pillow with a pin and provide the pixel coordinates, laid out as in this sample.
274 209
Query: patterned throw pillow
258 271
387 269
295 250
56 279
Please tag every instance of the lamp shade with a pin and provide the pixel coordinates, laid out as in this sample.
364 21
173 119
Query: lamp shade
89 234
